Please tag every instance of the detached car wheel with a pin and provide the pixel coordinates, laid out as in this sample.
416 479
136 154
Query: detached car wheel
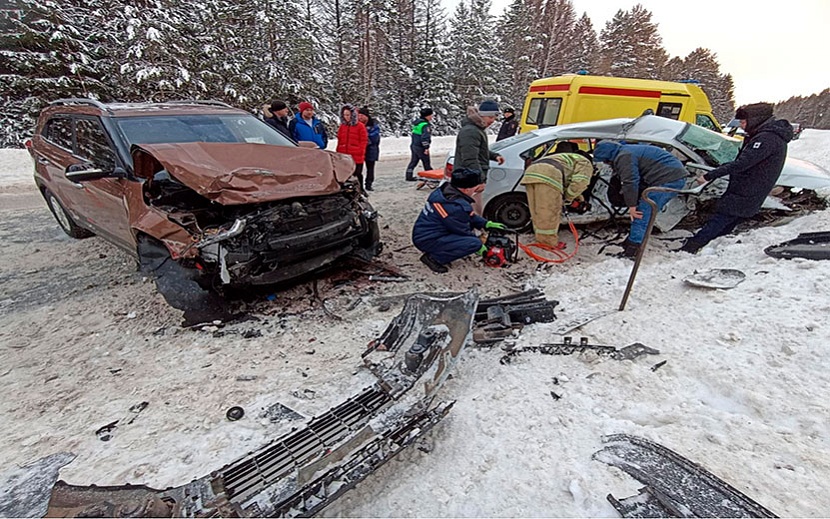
512 210
64 220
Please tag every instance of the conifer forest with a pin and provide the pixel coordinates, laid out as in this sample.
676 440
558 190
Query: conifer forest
395 56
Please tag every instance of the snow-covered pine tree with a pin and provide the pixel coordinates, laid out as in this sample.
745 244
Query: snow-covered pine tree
631 45
520 47
586 45
701 65
558 22
475 67
49 52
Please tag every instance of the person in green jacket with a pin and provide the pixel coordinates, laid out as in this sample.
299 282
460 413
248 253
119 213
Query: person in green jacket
472 148
421 139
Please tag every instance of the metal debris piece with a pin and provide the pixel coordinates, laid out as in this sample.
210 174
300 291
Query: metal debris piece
568 347
302 472
716 278
579 321
675 485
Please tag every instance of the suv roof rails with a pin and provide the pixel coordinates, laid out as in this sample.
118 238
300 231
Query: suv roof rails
200 102
81 101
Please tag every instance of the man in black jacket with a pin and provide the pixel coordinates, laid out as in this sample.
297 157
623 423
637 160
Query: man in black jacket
752 174
509 125
279 117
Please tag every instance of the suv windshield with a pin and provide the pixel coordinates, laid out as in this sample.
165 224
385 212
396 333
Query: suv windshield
716 148
198 128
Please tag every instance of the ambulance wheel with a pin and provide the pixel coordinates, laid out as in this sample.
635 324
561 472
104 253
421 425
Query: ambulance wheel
511 209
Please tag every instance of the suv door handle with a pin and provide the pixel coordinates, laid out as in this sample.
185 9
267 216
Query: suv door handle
42 160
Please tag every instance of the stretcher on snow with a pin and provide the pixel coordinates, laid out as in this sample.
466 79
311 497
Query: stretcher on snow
430 178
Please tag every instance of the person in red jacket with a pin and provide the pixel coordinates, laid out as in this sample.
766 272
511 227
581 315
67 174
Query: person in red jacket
352 139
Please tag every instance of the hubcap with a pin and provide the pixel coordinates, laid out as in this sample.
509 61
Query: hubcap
60 215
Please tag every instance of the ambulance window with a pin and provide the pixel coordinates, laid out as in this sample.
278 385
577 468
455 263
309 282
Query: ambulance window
543 112
706 122
669 110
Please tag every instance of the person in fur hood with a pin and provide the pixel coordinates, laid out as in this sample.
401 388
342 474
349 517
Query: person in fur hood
752 174
472 148
352 139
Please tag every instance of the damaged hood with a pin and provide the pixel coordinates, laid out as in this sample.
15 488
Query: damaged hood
242 173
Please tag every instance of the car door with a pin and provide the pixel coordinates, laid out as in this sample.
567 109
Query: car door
51 161
105 203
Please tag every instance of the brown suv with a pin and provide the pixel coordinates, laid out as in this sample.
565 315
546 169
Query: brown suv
220 193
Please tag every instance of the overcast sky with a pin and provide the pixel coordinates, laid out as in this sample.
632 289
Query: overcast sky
773 50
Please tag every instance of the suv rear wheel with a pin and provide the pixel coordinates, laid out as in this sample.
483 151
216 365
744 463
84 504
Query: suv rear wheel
64 220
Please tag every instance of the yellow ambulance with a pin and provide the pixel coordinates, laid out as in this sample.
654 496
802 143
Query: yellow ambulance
576 98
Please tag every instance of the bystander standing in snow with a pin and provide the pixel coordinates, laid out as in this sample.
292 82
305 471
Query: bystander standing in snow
307 127
509 124
421 140
276 115
373 147
352 139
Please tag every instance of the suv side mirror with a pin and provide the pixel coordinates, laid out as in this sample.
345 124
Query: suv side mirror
82 172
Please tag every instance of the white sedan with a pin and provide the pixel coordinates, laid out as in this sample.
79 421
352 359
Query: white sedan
698 148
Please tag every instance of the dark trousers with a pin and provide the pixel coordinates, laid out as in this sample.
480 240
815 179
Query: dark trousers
450 247
370 173
719 224
358 172
418 155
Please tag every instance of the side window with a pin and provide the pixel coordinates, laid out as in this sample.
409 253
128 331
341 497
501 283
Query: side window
706 122
93 144
669 110
58 131
543 112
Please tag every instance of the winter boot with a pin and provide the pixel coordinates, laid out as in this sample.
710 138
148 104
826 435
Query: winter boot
630 249
410 176
691 246
433 265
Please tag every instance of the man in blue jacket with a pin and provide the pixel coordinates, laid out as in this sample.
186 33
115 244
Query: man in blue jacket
306 127
752 174
444 229
640 166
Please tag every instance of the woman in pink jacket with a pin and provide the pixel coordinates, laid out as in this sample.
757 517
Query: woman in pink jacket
352 139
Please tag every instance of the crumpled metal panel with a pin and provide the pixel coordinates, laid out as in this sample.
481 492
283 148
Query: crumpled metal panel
304 471
243 173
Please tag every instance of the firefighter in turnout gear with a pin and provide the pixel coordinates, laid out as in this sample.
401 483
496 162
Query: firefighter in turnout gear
552 181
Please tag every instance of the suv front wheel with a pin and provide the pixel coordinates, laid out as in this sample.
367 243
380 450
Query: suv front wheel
64 220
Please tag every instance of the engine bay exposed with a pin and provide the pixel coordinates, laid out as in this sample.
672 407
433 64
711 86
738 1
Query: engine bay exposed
249 242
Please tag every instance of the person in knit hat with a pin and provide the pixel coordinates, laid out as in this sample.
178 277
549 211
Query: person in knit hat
352 139
276 115
472 148
307 127
373 148
421 140
752 174
444 228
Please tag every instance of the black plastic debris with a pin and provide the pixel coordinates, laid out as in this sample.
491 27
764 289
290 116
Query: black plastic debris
809 245
105 433
180 286
235 413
